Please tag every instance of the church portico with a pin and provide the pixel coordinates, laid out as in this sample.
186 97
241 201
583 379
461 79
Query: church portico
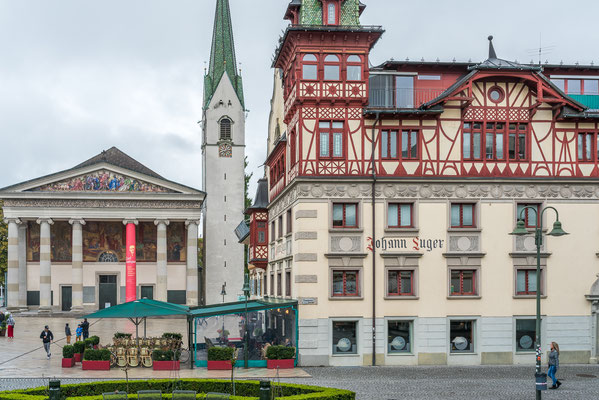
72 245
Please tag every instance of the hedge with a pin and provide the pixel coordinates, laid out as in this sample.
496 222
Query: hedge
246 390
280 353
121 335
95 340
171 335
79 347
220 353
97 355
165 355
68 351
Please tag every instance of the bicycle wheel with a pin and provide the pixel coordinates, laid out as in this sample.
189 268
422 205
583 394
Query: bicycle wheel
182 355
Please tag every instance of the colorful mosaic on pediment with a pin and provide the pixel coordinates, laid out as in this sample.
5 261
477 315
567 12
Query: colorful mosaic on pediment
102 181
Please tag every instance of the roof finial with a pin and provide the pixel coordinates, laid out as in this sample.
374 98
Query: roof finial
491 49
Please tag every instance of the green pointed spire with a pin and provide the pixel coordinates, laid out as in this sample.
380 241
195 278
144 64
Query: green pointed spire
222 54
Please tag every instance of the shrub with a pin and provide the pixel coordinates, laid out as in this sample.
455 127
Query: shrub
95 340
96 355
68 351
280 353
79 347
220 353
121 335
165 355
172 335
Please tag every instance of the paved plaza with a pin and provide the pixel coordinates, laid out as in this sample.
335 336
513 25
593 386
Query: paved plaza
370 383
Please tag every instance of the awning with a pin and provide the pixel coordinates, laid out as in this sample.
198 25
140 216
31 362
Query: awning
140 309
238 307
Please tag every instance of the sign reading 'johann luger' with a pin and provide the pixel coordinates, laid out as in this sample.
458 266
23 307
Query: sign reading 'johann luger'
412 244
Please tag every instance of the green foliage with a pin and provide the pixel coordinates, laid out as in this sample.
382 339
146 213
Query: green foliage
3 245
220 353
89 343
79 347
68 351
165 355
95 340
280 353
121 335
96 355
171 335
3 326
245 390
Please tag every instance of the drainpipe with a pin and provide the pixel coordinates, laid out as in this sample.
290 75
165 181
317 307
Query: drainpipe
373 241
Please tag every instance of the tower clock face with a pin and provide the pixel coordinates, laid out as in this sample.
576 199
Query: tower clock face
225 150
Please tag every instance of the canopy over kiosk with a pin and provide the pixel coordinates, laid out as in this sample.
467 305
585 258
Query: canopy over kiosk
270 322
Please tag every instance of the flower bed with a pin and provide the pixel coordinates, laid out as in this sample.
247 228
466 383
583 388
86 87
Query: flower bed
246 390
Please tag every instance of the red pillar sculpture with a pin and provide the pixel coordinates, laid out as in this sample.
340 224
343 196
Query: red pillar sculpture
130 265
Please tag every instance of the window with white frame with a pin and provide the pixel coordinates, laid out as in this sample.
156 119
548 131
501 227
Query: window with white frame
525 334
345 340
399 337
461 336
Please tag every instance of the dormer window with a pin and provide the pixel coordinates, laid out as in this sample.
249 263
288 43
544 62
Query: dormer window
331 14
331 68
310 67
354 68
225 129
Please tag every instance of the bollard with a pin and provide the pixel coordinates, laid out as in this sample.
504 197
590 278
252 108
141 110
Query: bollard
54 390
265 393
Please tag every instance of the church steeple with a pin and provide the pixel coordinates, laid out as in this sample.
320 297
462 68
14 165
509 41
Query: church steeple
222 54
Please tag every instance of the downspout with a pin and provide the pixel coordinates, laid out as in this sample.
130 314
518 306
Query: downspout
374 240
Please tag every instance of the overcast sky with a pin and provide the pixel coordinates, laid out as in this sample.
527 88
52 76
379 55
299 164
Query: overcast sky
77 77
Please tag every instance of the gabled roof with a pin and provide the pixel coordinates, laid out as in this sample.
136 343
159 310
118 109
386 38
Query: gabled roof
222 55
116 157
497 63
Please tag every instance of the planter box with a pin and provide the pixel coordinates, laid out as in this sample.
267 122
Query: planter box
77 357
281 364
166 365
219 365
95 365
68 362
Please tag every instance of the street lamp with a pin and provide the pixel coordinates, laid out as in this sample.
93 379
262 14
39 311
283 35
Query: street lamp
521 230
223 292
246 294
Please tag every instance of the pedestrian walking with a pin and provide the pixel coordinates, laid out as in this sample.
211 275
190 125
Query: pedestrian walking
554 365
67 333
47 338
10 322
78 333
85 327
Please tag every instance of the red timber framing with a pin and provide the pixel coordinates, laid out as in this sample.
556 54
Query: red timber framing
258 247
277 168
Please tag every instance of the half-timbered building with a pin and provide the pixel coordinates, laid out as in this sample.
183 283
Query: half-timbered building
392 191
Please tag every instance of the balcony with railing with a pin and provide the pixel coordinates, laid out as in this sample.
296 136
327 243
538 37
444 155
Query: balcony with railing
398 98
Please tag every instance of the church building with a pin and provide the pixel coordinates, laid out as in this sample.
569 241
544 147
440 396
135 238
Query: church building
391 191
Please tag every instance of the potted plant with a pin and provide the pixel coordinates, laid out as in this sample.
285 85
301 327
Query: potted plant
98 360
223 336
281 357
3 328
165 360
94 340
79 348
68 361
219 358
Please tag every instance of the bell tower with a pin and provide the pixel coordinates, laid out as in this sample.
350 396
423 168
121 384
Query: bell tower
223 154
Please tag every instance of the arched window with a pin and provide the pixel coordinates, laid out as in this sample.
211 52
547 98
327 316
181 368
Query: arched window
332 14
310 67
225 129
354 68
331 68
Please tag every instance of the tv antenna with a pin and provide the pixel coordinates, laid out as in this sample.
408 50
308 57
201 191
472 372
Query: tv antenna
541 50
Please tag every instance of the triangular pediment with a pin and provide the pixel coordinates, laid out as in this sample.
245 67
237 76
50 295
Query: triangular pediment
102 180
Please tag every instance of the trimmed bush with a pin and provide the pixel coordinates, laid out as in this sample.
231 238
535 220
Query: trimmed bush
95 340
246 390
280 353
68 351
172 335
165 355
96 355
79 347
121 335
220 353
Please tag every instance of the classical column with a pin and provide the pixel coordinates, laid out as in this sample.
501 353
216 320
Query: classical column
77 265
45 265
192 262
161 273
12 279
130 261
23 267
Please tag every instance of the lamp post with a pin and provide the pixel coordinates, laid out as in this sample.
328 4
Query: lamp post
521 230
246 294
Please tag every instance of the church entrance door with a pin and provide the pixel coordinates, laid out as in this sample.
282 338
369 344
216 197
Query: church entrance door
107 291
66 298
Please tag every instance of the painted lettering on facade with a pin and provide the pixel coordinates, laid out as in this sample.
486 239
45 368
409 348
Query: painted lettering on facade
412 244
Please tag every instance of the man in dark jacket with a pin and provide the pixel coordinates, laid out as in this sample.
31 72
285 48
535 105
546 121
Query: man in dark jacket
47 338
85 327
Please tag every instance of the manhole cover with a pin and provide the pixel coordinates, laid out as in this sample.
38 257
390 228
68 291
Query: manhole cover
586 376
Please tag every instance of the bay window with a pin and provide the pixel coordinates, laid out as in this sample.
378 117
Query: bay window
310 67
354 68
331 68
